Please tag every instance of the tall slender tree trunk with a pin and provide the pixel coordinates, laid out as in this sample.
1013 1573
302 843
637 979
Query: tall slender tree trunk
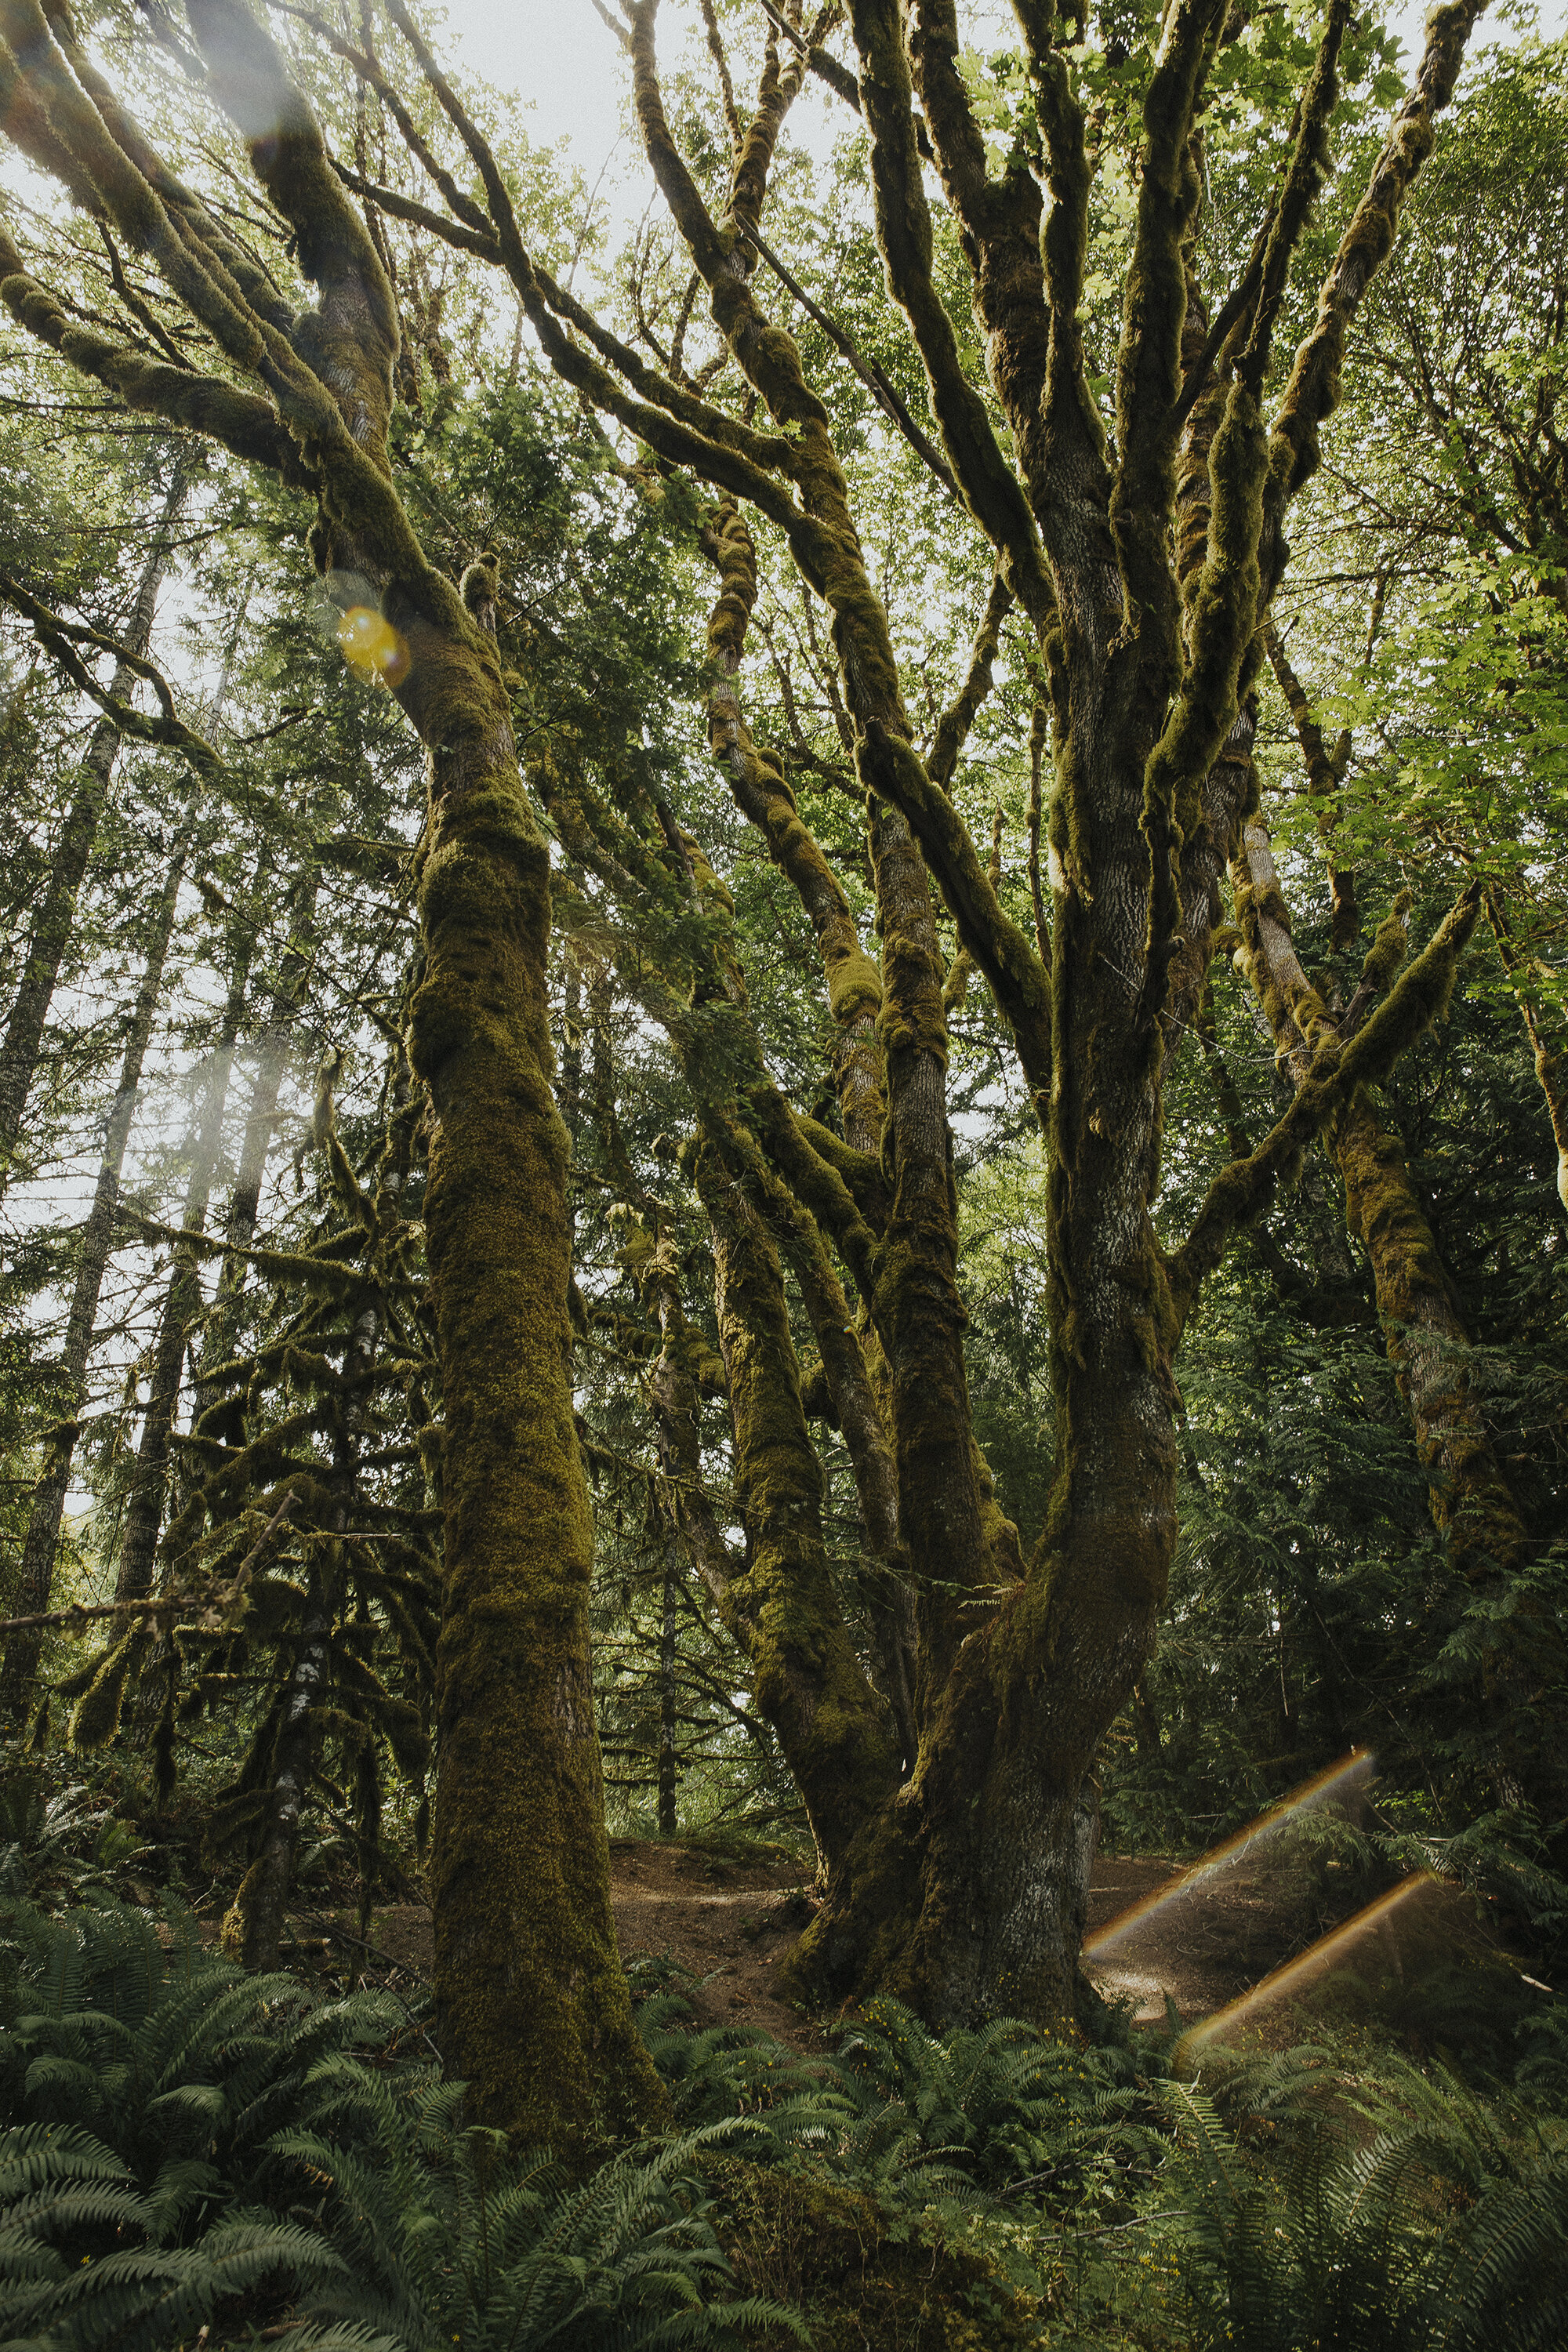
667 1695
272 1058
182 1303
57 914
21 1651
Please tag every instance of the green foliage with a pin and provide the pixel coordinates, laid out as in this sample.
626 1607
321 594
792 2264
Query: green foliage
140 2081
59 1839
1421 2218
183 2146
916 2122
187 2146
447 2238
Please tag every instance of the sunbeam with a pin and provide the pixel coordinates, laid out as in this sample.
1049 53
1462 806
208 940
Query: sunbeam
1334 1782
1282 1981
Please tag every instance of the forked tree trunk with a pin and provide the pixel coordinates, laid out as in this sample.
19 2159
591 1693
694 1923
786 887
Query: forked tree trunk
41 1541
962 1883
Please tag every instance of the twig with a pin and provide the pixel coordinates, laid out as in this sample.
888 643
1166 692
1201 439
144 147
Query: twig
870 372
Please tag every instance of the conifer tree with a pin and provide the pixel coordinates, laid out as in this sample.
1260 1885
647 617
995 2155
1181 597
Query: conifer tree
48 1505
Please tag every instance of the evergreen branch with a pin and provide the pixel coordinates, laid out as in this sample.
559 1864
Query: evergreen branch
82 1612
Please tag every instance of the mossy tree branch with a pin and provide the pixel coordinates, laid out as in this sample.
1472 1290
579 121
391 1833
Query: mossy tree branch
1418 999
1312 392
904 236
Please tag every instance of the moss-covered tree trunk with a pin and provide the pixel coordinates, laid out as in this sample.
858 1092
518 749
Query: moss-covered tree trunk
962 1885
533 2004
780 1599
954 1873
1424 1324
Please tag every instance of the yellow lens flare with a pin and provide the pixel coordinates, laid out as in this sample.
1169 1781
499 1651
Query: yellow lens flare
1335 1783
1281 1983
372 647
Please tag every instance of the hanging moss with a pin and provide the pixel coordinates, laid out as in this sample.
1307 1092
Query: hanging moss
96 1718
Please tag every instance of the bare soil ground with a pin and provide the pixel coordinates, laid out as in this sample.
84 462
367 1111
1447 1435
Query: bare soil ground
725 1925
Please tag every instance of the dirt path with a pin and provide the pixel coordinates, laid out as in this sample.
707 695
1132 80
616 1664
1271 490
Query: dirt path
717 1928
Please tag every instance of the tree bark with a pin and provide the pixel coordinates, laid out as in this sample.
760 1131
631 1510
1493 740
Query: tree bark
57 915
182 1303
961 1884
36 1579
533 2004
667 1695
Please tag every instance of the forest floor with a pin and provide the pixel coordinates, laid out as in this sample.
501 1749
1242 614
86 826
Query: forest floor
715 1924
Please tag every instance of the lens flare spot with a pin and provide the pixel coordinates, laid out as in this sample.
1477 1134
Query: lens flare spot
372 647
